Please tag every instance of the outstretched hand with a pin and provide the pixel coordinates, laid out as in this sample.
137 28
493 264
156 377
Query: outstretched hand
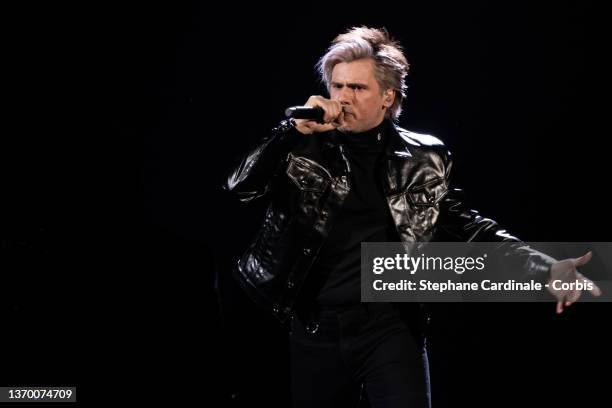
566 283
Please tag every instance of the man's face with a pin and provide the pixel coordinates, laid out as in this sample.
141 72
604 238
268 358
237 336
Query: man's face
354 85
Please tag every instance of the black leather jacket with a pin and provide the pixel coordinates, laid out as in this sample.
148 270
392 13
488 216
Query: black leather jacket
308 179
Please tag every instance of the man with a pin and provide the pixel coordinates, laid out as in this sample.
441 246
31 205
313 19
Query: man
356 177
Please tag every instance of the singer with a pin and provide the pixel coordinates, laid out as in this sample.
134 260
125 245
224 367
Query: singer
358 177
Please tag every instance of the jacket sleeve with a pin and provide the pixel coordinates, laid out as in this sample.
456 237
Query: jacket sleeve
458 222
252 177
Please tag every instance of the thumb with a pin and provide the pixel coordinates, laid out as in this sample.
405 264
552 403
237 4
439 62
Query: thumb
583 259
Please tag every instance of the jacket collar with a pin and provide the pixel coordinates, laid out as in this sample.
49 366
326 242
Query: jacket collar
396 146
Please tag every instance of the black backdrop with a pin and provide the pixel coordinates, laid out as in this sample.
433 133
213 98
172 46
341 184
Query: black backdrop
517 91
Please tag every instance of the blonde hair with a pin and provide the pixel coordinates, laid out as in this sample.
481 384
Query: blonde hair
390 64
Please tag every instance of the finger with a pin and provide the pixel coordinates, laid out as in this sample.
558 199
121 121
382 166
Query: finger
324 128
340 119
595 291
329 114
334 110
583 259
573 297
319 102
338 106
559 307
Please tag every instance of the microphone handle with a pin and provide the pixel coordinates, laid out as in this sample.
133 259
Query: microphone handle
305 112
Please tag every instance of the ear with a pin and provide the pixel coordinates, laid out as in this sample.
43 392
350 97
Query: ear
388 98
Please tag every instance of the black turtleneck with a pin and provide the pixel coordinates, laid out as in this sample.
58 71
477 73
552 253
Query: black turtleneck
364 217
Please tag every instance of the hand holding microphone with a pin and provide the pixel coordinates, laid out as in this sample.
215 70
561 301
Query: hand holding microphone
317 115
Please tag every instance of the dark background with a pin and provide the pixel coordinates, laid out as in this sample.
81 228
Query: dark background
119 238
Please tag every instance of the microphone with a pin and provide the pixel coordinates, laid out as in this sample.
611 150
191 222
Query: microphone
305 112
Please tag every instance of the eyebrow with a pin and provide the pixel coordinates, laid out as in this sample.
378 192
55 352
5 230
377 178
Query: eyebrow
350 84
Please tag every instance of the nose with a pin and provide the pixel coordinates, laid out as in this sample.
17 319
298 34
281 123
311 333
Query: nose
345 96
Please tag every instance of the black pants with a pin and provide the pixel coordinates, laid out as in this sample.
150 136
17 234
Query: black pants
339 357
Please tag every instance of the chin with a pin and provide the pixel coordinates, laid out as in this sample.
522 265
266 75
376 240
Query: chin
351 127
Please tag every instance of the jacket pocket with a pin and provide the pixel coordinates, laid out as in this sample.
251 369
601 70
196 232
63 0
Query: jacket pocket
428 194
307 175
